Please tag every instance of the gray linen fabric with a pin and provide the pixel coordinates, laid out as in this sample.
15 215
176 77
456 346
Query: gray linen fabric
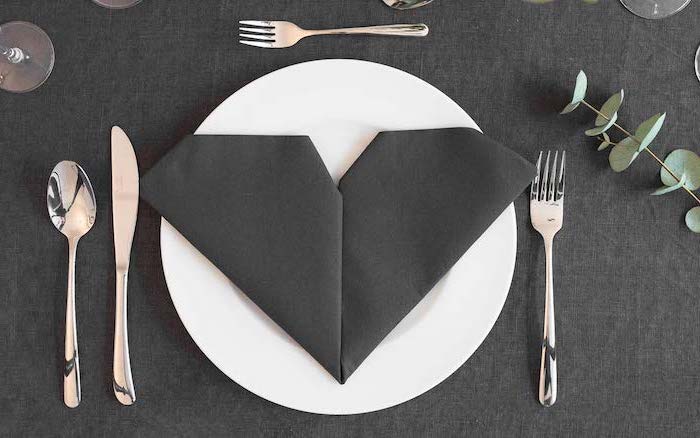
628 306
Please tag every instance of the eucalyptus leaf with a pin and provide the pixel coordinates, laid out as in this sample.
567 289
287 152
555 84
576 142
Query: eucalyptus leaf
692 219
669 189
579 93
682 162
606 142
648 130
628 142
622 155
610 108
569 108
593 132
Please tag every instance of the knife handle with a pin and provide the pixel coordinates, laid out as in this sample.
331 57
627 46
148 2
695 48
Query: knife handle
122 382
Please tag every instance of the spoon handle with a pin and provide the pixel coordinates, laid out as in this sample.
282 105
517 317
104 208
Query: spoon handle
123 382
71 371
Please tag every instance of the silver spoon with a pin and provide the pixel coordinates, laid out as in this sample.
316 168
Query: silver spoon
406 4
71 203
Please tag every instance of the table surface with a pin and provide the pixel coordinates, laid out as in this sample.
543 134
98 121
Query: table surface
628 306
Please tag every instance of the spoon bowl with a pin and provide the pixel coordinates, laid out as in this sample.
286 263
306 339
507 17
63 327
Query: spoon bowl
71 204
406 4
70 200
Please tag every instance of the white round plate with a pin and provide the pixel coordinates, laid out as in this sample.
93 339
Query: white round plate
341 104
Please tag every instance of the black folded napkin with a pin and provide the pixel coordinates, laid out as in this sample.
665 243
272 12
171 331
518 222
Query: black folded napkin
336 267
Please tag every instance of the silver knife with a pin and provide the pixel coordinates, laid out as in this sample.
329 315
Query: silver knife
125 201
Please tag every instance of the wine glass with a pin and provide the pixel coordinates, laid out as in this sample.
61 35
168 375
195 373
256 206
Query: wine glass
117 4
26 56
654 9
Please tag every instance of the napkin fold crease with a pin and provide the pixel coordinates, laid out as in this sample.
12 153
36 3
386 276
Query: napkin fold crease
336 267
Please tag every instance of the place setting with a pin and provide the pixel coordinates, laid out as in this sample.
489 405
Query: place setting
323 325
288 253
339 236
321 252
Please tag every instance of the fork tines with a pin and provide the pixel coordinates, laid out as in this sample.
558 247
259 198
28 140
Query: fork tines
262 34
548 185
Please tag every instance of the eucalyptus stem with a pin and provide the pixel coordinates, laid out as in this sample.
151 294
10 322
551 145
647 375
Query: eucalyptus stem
603 139
653 155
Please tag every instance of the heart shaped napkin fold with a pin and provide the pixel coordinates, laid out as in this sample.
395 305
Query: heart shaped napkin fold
336 267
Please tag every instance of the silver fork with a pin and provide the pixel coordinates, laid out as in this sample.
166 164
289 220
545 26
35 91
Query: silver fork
282 34
547 216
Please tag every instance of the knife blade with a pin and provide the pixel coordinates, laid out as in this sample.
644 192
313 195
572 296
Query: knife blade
125 199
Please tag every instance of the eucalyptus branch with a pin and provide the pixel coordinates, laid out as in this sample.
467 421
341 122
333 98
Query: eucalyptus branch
680 169
653 155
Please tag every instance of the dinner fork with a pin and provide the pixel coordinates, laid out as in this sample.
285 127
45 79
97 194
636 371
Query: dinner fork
547 216
282 34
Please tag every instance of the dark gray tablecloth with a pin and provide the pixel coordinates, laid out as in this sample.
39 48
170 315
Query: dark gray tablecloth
628 301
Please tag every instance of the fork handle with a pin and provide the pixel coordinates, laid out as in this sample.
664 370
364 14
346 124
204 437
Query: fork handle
409 30
548 362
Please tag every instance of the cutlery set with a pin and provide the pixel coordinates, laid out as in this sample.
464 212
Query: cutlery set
72 208
71 203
